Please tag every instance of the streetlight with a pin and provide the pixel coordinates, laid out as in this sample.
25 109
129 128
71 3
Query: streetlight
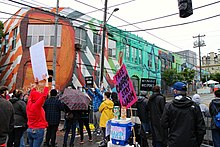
103 39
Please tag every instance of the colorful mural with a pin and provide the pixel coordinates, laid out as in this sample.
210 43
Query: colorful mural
142 59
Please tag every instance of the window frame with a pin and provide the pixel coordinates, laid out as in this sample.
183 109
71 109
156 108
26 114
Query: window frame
6 44
97 39
36 32
150 63
81 37
14 38
112 50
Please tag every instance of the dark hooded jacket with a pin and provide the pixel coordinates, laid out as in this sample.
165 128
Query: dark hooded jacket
213 111
142 109
156 106
185 122
6 120
20 115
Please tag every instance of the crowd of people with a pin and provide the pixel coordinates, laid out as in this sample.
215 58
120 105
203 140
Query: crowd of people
178 123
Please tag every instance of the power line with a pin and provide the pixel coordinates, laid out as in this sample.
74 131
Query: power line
174 25
103 8
137 27
86 22
161 17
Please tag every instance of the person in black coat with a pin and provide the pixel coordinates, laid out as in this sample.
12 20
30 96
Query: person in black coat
84 120
7 116
184 120
156 106
20 117
53 108
142 113
214 108
72 118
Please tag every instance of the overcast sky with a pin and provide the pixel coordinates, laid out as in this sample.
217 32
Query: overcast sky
174 39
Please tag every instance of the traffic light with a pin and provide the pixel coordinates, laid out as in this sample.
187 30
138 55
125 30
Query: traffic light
185 8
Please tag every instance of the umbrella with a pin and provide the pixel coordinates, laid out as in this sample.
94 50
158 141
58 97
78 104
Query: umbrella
211 82
75 99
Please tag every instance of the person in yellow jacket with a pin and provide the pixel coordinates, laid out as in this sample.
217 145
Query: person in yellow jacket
106 109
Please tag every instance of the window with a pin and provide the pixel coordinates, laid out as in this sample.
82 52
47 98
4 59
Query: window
81 37
15 31
169 65
97 43
5 49
37 33
127 53
162 64
156 62
140 56
134 54
149 60
112 48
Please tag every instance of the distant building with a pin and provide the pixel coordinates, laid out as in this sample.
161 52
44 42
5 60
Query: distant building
189 56
211 62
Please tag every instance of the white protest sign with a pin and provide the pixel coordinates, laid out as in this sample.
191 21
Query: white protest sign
38 60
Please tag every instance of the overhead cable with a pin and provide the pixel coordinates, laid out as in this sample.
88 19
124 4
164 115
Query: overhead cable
166 15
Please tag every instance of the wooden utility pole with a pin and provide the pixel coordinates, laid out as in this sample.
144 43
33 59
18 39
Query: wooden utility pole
199 43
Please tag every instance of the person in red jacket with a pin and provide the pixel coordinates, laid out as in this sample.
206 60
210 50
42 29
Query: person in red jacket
36 115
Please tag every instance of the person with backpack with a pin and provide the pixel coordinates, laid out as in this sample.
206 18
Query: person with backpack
183 118
214 109
156 106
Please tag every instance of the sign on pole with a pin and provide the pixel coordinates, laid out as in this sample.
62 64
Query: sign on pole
147 84
124 87
38 60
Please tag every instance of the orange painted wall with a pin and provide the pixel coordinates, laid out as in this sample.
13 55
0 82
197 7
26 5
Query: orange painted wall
65 53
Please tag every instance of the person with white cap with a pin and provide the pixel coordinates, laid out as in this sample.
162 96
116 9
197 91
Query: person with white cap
184 120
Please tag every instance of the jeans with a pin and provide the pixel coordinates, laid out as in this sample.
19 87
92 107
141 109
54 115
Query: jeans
22 143
216 138
96 118
70 125
35 137
146 127
157 144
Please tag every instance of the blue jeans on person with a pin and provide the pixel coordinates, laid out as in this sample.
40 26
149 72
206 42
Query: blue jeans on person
70 125
216 137
35 136
22 143
146 127
157 144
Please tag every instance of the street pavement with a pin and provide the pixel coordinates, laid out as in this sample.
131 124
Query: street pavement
205 98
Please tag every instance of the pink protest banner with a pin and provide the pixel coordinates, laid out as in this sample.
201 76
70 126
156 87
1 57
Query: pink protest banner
124 87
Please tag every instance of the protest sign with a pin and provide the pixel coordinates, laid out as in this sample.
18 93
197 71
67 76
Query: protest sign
147 84
38 60
124 87
89 81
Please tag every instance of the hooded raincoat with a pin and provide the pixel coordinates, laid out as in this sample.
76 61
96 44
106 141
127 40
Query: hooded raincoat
35 111
185 122
106 109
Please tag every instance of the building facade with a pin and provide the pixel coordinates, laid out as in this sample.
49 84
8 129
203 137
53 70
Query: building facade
211 62
29 26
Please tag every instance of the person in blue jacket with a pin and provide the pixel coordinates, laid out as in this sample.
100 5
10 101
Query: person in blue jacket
97 99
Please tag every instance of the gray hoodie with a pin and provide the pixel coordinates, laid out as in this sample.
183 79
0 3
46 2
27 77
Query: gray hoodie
204 109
